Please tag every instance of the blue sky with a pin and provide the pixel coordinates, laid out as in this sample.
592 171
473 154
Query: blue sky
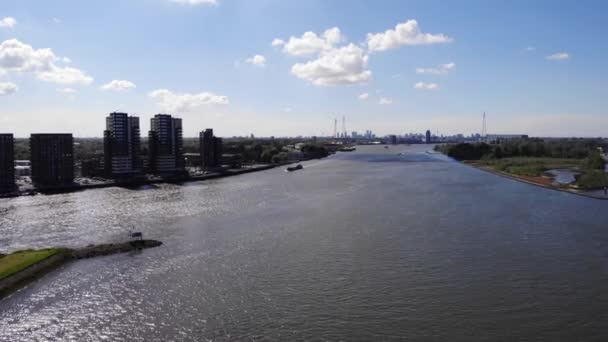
536 67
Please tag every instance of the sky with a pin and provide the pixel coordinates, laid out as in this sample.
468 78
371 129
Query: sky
287 68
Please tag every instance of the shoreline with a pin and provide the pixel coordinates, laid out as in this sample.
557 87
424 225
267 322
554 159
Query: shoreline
31 273
142 182
531 182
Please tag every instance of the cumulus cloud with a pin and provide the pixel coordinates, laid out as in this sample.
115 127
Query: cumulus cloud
385 101
345 65
560 56
66 90
19 57
310 43
7 88
443 69
196 2
257 60
186 102
66 60
8 22
364 96
426 86
407 33
277 42
118 85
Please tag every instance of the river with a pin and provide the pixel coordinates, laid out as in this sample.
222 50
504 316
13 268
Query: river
362 246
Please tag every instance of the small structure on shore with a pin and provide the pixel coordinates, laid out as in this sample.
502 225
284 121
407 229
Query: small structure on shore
136 236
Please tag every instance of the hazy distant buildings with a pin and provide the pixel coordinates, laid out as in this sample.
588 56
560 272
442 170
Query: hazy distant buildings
52 159
428 137
210 149
122 144
392 139
7 163
165 145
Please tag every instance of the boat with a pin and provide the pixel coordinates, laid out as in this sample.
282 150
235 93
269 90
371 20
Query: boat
295 168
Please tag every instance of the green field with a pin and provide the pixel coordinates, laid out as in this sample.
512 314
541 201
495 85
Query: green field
530 166
15 262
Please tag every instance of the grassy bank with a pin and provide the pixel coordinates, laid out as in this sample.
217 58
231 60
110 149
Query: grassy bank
16 262
529 166
529 159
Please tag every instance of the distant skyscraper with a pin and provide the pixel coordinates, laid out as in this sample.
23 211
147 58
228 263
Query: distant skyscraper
210 149
428 136
7 163
392 139
122 144
166 145
52 158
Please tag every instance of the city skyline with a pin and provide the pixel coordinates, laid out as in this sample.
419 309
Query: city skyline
397 67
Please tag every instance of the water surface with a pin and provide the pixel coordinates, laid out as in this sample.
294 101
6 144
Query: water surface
362 246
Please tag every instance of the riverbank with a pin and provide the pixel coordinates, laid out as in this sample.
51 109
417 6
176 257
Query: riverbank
544 182
20 268
142 182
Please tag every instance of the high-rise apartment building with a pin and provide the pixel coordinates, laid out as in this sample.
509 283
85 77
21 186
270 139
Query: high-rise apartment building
166 145
122 144
428 137
7 163
52 157
210 149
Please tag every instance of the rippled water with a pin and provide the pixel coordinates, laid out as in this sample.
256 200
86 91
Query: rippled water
368 245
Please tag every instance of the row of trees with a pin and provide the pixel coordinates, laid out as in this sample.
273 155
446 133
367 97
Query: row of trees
552 148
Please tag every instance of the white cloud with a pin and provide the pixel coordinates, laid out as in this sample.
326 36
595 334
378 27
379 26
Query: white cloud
65 75
8 22
310 43
185 102
66 60
426 86
530 48
19 57
560 56
364 96
8 88
57 20
118 85
407 33
66 90
196 2
385 101
257 60
345 65
277 42
443 69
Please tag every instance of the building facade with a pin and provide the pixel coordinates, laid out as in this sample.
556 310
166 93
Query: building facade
210 149
52 158
7 163
122 146
428 137
166 145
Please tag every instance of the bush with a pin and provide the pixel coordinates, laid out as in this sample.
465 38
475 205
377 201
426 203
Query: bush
593 162
593 179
